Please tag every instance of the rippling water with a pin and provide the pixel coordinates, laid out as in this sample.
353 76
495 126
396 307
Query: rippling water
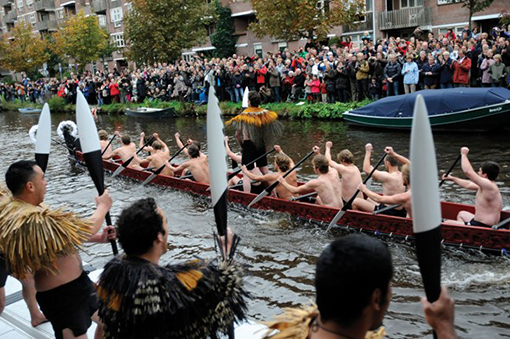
281 251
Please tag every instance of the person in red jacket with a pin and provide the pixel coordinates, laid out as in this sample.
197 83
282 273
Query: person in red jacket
461 68
114 90
261 71
315 85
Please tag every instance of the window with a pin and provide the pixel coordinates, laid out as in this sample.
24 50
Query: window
60 13
457 30
30 3
102 20
257 49
118 40
20 4
32 18
410 3
129 6
368 5
116 15
210 30
282 46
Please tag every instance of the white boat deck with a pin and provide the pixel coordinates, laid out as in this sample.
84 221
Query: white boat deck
15 320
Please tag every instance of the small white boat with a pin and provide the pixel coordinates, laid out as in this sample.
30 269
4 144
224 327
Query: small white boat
30 110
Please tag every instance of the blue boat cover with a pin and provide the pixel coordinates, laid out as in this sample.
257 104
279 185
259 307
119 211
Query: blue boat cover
438 101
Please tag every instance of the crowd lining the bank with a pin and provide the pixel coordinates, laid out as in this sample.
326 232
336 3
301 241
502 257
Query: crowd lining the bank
341 72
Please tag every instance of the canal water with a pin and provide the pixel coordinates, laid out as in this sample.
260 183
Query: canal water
281 251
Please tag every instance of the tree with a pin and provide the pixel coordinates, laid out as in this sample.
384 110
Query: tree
80 38
223 38
158 30
475 6
25 52
294 19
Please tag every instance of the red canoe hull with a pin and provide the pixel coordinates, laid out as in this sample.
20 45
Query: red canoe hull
497 241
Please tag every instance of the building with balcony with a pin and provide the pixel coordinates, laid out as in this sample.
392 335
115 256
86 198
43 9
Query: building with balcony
383 18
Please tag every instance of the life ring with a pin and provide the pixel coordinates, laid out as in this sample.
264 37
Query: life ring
70 124
33 133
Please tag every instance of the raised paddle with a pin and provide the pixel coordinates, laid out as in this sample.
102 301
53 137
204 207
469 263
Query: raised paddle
128 161
341 213
111 140
43 140
159 170
218 178
269 189
236 171
91 150
426 206
450 169
389 208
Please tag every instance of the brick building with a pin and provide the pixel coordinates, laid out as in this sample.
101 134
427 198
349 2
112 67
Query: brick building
46 15
385 17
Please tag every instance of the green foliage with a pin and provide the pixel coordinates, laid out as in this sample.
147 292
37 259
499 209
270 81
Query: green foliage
505 19
294 19
334 41
223 38
475 6
80 38
58 104
25 52
158 30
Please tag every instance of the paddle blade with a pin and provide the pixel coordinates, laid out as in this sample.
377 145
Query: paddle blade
217 162
89 139
426 206
43 141
118 170
149 179
335 220
258 198
245 97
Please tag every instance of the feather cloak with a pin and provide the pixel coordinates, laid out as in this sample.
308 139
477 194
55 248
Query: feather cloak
138 299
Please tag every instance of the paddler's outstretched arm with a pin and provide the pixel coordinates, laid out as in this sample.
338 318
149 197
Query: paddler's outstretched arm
339 167
399 199
180 144
230 154
306 188
468 170
265 178
278 149
401 159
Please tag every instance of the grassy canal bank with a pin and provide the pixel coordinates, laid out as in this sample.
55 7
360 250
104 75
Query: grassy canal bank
284 110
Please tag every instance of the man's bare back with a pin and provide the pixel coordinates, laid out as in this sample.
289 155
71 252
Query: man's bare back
351 176
198 168
109 151
329 189
488 202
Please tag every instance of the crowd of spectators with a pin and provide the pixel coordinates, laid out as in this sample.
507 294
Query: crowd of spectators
341 72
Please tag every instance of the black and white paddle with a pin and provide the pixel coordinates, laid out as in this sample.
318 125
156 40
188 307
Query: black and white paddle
426 206
91 149
43 139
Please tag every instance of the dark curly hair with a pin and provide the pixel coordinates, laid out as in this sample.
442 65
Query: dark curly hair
138 226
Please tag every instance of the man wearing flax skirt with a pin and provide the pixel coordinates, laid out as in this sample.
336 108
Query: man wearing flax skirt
45 241
255 126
